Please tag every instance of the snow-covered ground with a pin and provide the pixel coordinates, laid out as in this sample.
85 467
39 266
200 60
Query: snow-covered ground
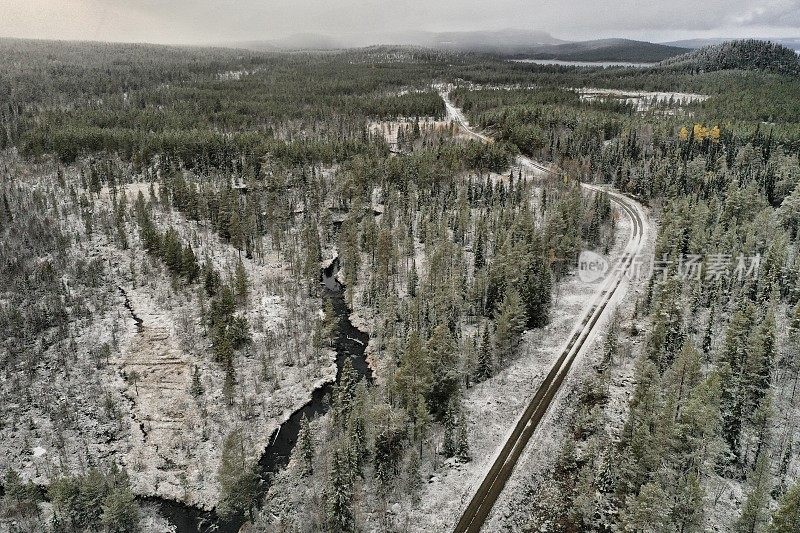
134 407
179 452
389 129
642 100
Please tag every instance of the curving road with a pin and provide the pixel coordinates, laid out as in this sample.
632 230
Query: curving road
481 503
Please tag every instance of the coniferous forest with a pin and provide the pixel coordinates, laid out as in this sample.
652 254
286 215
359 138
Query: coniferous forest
292 292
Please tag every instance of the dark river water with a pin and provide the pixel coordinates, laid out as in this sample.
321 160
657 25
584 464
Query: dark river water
349 344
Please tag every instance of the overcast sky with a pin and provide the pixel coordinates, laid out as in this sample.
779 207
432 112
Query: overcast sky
216 21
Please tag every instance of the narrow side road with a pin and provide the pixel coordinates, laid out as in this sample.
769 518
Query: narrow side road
480 505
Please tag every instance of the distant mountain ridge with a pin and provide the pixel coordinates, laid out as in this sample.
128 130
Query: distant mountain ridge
510 43
607 50
747 54
492 41
509 38
535 44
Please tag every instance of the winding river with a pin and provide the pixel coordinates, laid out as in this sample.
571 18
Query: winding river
349 344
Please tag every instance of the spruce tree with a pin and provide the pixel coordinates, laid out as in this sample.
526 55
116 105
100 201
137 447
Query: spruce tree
449 444
339 494
462 443
305 444
414 376
240 282
413 279
708 336
196 388
485 366
479 253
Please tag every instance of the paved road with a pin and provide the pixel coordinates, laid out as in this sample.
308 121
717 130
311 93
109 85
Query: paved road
474 516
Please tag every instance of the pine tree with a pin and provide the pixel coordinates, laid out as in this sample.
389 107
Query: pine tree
22 499
229 385
313 256
681 378
95 185
92 494
235 229
189 267
8 216
63 493
759 361
422 421
414 478
211 280
795 327
645 512
688 507
445 370
786 518
221 343
509 326
237 479
239 332
414 376
449 444
611 343
120 511
357 428
535 289
344 394
755 508
732 364
640 447
330 321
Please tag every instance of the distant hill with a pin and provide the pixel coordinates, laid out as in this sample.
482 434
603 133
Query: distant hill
607 50
748 54
502 41
299 41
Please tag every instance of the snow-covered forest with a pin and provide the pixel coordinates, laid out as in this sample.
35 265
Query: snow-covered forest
289 292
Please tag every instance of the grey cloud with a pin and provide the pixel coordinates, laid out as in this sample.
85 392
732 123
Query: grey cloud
773 12
196 21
